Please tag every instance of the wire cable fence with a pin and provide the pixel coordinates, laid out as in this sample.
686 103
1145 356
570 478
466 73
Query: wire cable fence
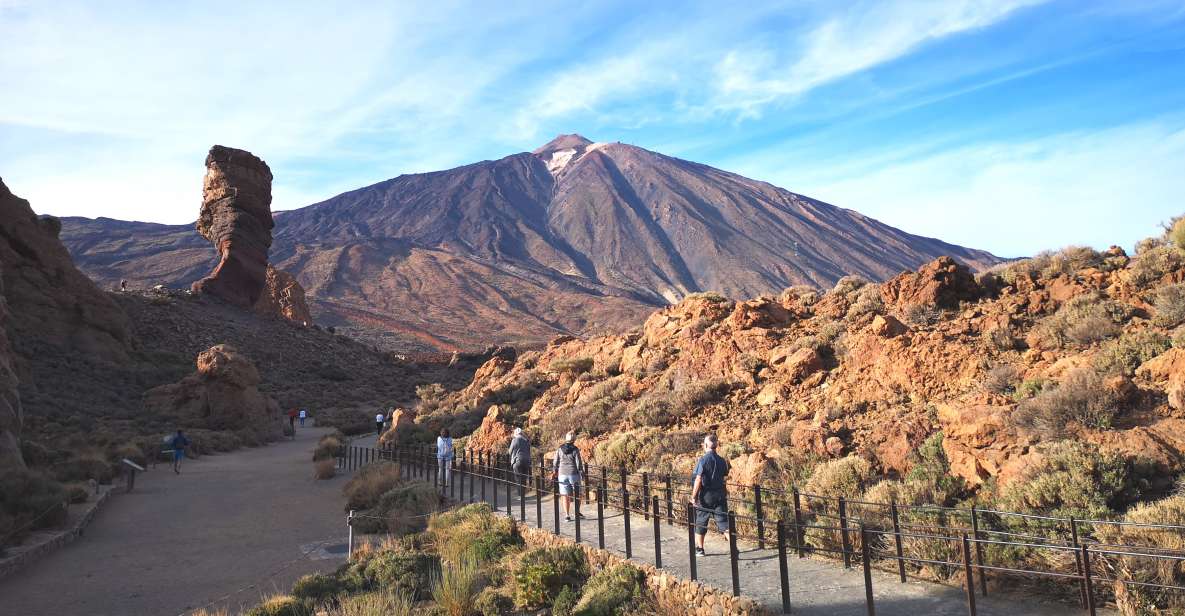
969 546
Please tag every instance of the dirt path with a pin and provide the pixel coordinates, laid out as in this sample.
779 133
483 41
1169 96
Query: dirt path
178 542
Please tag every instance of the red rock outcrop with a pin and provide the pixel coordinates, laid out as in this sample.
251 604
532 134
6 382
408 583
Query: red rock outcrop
401 420
222 395
283 297
10 399
236 217
50 302
493 436
942 282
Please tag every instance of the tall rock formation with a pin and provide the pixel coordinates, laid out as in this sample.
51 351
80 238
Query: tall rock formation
236 217
10 400
283 297
50 302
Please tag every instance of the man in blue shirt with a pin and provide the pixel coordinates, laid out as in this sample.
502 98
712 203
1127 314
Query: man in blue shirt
708 493
179 443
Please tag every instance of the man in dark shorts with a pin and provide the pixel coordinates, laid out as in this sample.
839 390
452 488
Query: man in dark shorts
708 493
179 443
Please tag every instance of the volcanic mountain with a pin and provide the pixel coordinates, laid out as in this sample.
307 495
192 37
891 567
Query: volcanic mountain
575 237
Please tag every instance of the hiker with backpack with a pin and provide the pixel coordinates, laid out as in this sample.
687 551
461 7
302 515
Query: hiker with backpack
568 469
520 458
709 493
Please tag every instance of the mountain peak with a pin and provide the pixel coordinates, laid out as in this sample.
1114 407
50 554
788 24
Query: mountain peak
563 142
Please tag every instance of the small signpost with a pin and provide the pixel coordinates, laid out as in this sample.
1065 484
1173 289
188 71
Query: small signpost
132 468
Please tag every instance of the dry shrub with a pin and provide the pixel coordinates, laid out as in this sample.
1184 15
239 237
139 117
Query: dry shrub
1069 261
572 366
920 315
381 603
847 285
455 588
280 605
472 533
663 407
1124 354
1155 262
842 477
594 413
1170 305
865 301
367 485
1175 233
324 469
29 500
1081 398
1001 379
1000 339
1081 321
647 449
328 446
1131 572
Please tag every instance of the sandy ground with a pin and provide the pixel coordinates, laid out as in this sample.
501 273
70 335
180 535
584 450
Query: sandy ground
228 529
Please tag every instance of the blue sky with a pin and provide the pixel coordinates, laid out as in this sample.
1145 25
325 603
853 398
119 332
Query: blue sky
1014 125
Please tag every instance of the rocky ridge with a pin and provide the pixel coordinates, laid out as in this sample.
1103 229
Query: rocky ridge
1072 346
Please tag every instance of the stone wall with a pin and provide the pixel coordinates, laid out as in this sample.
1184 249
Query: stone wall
674 594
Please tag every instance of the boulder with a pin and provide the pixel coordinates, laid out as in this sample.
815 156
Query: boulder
283 298
795 365
977 440
493 436
942 282
236 217
887 326
760 312
401 420
1168 371
222 395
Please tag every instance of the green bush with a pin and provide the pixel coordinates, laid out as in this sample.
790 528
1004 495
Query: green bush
611 592
493 603
405 508
930 479
473 532
844 477
1169 303
1071 479
455 589
364 489
316 587
1080 321
281 605
83 468
1124 354
407 572
373 604
29 500
1081 398
1029 388
565 602
1154 263
542 572
865 301
1176 232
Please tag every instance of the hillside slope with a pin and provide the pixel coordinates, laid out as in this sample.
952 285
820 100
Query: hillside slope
575 237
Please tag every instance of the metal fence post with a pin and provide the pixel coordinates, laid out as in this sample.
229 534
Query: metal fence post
645 496
760 516
625 518
522 497
845 540
897 542
538 501
1078 561
670 494
601 517
691 539
509 500
555 504
350 530
657 533
978 551
733 555
1087 579
969 573
866 562
576 510
783 568
481 472
798 534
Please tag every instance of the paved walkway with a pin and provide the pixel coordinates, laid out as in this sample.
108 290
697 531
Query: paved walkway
178 542
819 587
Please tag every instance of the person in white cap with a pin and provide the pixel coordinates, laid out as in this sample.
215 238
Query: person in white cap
568 469
520 458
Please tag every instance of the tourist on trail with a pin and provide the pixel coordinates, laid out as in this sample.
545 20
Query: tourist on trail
378 423
292 420
520 458
709 494
303 413
567 469
179 443
444 457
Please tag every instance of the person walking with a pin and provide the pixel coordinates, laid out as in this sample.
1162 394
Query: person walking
378 424
520 458
567 469
292 420
178 443
709 493
303 413
444 457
